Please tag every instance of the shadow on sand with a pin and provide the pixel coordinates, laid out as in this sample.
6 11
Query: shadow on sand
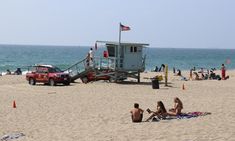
143 83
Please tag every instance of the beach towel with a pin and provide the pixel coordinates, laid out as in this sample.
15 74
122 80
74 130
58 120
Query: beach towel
11 136
192 115
183 116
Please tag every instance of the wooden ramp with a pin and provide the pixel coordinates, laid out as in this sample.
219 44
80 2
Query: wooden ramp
78 70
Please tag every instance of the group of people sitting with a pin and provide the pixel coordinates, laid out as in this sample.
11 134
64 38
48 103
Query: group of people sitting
209 74
203 74
160 112
194 75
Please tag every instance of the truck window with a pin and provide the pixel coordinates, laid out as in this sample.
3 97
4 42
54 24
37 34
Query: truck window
42 70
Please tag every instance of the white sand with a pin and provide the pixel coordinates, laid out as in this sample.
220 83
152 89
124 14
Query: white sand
100 110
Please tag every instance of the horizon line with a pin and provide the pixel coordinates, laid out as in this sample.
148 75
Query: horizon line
56 45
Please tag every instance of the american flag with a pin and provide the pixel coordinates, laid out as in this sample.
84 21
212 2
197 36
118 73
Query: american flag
124 28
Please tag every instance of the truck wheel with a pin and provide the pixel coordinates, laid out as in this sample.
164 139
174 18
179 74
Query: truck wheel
52 82
32 81
84 80
112 80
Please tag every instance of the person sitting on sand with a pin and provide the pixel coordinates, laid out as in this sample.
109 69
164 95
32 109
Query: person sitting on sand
178 106
180 75
179 72
202 76
213 76
196 76
8 72
156 69
18 71
162 68
136 113
160 112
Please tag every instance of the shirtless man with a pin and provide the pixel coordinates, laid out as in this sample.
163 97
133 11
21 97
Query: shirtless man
136 113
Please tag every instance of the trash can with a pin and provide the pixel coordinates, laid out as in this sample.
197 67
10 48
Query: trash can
155 84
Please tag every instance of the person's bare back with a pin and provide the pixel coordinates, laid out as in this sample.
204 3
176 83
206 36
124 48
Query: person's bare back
136 113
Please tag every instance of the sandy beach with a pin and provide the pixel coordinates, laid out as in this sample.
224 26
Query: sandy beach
100 110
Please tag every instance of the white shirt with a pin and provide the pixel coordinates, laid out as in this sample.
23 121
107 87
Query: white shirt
91 53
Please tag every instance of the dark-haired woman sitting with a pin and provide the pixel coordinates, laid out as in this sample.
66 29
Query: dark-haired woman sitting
178 106
160 112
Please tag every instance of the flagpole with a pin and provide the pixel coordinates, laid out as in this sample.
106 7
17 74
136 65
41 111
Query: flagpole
120 34
119 45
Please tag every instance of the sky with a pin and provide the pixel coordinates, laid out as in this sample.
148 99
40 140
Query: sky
161 23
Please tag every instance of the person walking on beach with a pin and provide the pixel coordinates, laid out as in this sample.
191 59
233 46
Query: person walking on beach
136 113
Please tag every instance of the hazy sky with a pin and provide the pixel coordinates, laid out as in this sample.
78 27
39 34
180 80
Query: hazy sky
161 23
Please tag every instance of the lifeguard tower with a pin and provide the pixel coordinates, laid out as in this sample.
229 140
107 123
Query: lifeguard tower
125 59
120 61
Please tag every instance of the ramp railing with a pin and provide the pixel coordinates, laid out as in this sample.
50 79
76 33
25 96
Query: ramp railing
80 68
105 63
77 69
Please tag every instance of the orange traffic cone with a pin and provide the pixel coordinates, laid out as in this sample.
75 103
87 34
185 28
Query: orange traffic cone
183 88
14 104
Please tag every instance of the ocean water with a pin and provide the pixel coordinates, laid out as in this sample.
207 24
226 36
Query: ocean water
21 56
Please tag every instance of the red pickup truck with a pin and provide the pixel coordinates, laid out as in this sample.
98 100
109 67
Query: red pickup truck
47 74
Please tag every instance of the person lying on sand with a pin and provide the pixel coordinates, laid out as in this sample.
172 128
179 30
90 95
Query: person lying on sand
136 113
160 112
178 106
